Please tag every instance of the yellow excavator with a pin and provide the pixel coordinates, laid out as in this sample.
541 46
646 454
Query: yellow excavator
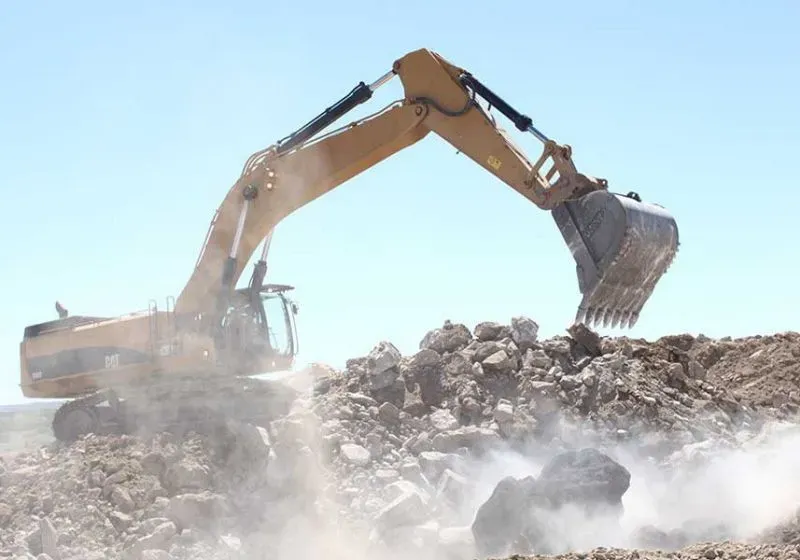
210 342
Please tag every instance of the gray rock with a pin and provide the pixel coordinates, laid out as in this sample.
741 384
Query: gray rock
586 337
418 443
588 377
543 387
407 509
34 542
149 525
386 476
457 367
433 386
569 382
188 475
158 507
475 438
120 521
158 539
443 420
402 487
362 400
384 380
355 454
696 370
490 330
154 463
412 472
394 393
434 463
524 332
121 498
485 349
389 413
344 412
558 346
501 519
251 448
196 510
425 358
384 356
453 487
446 442
448 338
587 477
518 509
499 362
536 359
504 412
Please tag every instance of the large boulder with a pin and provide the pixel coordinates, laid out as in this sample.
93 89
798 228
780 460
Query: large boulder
522 515
382 364
501 519
588 478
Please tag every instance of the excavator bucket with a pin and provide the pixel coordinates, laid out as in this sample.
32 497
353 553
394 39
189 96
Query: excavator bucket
621 247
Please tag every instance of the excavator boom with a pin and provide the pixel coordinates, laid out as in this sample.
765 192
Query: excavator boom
193 363
621 245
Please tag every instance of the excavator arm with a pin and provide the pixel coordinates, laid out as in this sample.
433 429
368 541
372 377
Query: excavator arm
606 233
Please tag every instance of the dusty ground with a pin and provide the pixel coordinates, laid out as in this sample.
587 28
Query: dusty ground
392 458
706 551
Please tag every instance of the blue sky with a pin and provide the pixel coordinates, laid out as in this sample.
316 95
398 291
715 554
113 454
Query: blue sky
123 128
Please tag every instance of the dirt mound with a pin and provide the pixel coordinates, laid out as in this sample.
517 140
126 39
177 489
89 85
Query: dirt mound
396 455
761 371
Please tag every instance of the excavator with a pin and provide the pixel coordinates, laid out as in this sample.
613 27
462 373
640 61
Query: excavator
208 344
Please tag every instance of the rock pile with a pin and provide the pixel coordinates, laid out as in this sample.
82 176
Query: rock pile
119 496
474 445
502 382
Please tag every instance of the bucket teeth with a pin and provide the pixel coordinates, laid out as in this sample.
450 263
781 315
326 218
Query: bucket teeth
622 248
613 303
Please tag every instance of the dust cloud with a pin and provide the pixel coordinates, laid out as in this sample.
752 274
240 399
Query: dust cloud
395 456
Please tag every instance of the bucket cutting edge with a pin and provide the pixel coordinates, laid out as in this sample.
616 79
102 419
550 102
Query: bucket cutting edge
622 247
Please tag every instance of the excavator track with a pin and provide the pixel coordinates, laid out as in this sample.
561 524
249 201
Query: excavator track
181 405
77 417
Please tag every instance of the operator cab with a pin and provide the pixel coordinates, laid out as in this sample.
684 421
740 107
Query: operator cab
259 329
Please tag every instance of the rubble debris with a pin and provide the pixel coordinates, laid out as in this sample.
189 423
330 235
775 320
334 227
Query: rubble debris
392 447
